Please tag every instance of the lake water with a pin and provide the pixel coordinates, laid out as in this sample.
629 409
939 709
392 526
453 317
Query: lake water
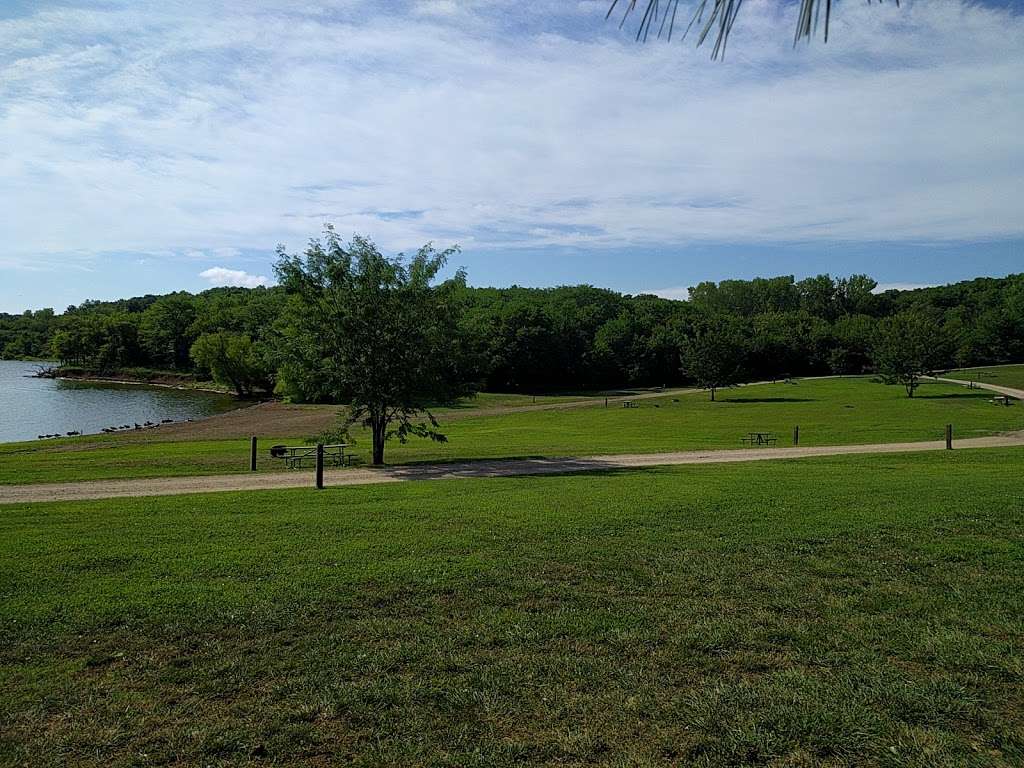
30 407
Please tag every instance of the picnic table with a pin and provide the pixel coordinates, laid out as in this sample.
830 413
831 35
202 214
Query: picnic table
295 456
629 404
760 438
1001 400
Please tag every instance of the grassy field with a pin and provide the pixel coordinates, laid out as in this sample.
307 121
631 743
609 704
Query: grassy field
828 411
849 611
1003 375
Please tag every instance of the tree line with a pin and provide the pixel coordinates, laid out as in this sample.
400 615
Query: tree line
552 339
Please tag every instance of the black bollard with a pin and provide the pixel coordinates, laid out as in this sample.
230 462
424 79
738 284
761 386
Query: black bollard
252 454
949 437
319 466
796 435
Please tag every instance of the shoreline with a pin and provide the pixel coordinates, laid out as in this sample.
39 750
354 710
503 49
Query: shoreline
144 383
230 403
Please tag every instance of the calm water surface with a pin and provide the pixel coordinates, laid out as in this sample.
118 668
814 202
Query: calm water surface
30 407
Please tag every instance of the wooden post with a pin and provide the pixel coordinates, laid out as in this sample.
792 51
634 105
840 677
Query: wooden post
949 437
319 466
606 402
796 435
252 454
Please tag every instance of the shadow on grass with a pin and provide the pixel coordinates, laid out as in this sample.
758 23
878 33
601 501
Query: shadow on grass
505 467
957 396
464 460
769 400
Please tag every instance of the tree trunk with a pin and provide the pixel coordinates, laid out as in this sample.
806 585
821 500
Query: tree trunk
378 427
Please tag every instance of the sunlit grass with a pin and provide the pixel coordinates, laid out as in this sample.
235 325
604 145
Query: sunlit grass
856 610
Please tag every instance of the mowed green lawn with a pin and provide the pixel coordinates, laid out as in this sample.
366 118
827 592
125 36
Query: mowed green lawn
862 610
1003 375
828 411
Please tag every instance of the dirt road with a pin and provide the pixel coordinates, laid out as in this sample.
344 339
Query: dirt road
164 486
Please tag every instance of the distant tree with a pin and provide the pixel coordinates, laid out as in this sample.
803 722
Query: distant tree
787 343
908 346
119 347
376 333
856 295
167 330
747 297
852 339
233 359
818 296
714 352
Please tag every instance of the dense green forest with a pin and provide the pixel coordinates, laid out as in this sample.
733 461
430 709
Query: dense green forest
552 339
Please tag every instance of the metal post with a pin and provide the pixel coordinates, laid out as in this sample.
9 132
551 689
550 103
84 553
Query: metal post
319 466
796 435
949 437
606 402
252 454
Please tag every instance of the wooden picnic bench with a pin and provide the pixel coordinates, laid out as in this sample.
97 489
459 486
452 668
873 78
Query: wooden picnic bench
629 404
295 456
1001 400
760 439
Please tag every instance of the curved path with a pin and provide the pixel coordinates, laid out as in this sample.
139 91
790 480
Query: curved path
165 486
999 388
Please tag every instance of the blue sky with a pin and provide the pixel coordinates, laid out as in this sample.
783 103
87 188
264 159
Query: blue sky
153 146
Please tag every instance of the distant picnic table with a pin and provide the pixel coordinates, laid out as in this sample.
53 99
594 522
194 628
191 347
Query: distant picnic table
1001 400
760 438
294 456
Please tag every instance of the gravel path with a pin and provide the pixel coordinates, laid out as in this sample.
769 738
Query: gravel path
164 486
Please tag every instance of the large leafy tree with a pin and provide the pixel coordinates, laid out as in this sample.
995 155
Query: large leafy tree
909 345
714 352
379 334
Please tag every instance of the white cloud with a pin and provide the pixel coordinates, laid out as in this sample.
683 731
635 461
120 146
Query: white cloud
169 128
220 276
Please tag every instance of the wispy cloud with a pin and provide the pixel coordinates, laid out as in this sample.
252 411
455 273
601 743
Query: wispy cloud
220 276
169 127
